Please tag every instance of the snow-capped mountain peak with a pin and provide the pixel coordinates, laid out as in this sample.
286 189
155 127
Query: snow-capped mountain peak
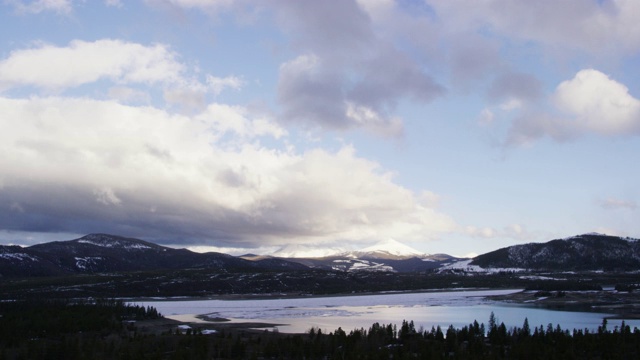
394 248
304 251
389 248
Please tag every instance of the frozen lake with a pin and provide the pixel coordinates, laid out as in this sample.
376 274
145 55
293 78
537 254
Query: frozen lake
426 309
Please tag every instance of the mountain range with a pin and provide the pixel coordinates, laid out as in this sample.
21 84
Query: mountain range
102 253
388 255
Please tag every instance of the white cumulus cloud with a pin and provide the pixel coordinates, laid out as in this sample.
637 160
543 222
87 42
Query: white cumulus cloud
589 103
219 84
72 163
599 104
81 62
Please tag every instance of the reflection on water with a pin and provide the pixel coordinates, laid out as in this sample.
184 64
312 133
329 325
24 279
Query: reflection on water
457 308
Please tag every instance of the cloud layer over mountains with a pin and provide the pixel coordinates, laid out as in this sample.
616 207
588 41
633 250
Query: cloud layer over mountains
243 124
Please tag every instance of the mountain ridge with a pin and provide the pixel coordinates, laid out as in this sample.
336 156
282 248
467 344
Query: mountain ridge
591 251
104 253
100 253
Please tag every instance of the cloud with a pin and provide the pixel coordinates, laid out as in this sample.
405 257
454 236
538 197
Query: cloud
135 70
485 232
590 103
344 72
514 86
114 3
38 6
486 117
531 126
106 196
347 73
472 59
311 94
332 29
195 4
514 231
315 93
612 232
190 96
126 94
57 68
599 104
315 97
597 27
369 118
219 84
613 203
78 165
230 250
402 77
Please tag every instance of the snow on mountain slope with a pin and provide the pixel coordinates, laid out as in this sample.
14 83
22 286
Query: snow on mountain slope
590 251
384 249
110 241
115 245
392 247
302 251
465 266
17 256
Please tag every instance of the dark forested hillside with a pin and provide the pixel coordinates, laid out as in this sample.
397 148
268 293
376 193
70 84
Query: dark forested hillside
102 253
582 252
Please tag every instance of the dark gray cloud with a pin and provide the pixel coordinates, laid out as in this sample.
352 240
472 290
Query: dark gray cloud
391 76
472 60
530 127
342 64
603 28
515 85
333 29
311 94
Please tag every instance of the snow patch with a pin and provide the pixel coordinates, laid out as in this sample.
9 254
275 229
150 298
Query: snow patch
360 265
85 262
115 244
538 277
465 265
18 256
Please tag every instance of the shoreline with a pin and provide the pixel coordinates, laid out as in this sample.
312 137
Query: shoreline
622 305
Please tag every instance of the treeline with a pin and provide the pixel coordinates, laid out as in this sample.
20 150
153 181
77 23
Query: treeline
210 282
47 328
474 341
108 330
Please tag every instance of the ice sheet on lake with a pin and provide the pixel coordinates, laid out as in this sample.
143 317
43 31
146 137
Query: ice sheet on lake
335 305
457 308
281 313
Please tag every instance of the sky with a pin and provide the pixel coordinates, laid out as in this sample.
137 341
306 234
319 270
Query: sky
249 126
